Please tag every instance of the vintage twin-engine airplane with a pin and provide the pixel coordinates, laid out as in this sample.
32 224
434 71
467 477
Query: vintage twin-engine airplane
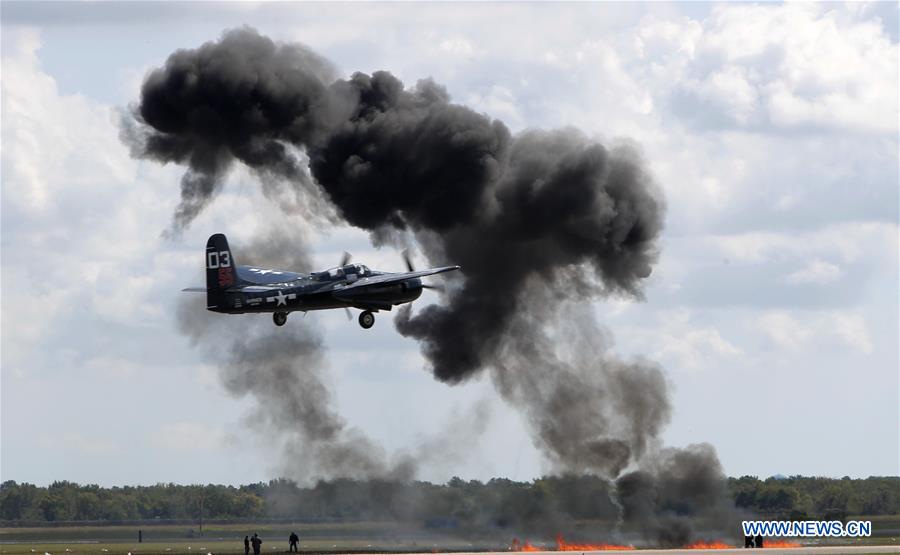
234 289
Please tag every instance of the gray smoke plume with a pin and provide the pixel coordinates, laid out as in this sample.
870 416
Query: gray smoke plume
285 371
675 492
284 374
591 412
542 223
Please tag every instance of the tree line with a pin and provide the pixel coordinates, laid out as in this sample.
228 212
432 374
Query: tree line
801 497
500 500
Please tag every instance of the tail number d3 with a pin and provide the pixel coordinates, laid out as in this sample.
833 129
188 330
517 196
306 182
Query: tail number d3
221 259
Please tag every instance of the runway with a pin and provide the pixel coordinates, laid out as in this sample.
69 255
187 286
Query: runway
810 550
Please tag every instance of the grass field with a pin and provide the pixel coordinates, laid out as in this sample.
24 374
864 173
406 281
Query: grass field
222 547
216 539
346 537
183 532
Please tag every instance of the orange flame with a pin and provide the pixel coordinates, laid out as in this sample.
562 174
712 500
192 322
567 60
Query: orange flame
562 545
779 543
709 545
516 545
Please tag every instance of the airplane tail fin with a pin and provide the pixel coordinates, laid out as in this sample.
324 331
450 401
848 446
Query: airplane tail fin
221 271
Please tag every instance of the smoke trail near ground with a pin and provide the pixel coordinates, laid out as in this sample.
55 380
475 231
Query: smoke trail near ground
542 222
284 374
285 371
674 490
591 411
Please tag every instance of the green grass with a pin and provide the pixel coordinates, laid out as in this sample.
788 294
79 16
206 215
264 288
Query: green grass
227 539
343 537
223 547
182 532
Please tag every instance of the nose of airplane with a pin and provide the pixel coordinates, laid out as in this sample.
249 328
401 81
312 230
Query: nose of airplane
413 286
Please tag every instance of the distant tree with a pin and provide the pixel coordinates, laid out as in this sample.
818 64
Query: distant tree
247 505
87 506
834 498
13 501
55 507
776 498
498 502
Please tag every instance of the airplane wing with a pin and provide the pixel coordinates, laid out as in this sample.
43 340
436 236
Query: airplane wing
238 289
252 289
383 279
265 276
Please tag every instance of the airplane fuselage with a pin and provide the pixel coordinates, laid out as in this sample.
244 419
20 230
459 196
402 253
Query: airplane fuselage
233 289
308 293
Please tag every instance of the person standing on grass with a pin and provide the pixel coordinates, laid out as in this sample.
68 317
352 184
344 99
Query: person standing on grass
246 545
293 540
256 544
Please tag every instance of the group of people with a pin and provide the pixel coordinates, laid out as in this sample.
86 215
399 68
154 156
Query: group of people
256 543
750 541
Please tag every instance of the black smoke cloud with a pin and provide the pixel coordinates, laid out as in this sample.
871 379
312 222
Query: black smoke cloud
674 492
552 206
243 98
567 213
540 221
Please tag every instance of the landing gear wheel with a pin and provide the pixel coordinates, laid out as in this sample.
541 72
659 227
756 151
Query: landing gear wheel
279 318
366 319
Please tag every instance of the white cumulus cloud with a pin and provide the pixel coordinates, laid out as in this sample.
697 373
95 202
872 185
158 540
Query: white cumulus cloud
797 331
817 272
786 65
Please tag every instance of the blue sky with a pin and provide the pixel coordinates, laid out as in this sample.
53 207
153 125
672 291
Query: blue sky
772 130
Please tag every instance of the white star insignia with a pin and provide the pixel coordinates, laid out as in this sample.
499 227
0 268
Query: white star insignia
281 299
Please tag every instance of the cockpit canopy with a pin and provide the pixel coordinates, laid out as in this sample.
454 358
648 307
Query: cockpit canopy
360 270
343 272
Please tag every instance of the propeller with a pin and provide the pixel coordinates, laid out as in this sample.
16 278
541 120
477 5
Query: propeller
346 258
409 266
408 260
